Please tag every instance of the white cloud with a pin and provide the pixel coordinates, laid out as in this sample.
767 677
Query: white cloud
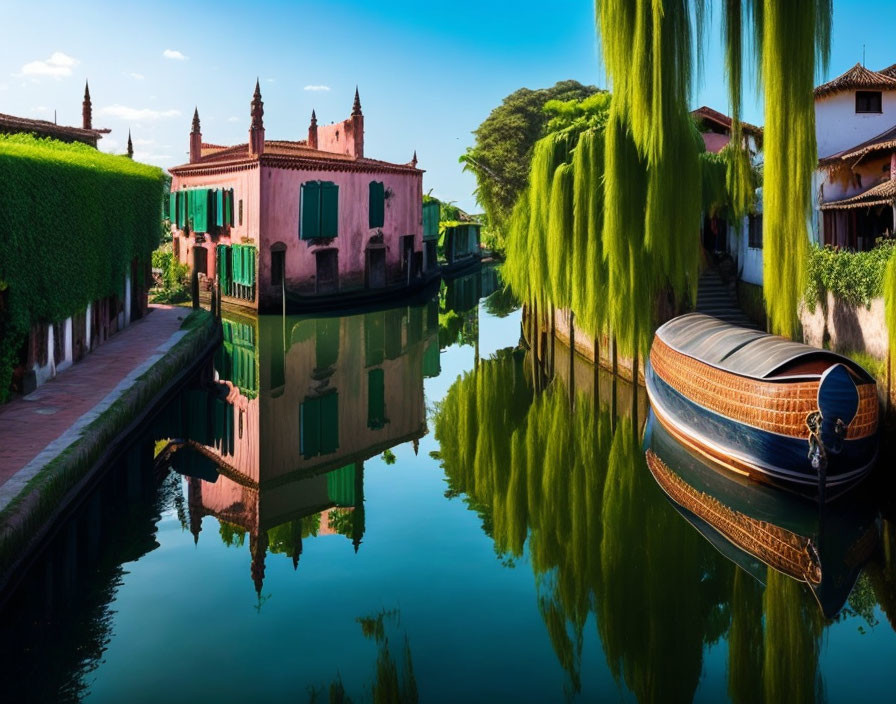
4 86
123 112
233 119
40 109
143 142
58 66
174 54
136 76
316 88
270 80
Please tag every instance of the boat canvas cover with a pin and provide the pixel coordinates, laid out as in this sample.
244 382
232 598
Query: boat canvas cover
749 353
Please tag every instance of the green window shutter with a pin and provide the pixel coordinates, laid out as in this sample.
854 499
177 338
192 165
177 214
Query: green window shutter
376 399
309 427
431 360
329 423
374 338
172 206
326 342
219 207
329 209
377 212
341 486
251 266
430 219
310 205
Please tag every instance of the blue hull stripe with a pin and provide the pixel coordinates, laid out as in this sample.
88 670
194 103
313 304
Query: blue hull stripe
779 456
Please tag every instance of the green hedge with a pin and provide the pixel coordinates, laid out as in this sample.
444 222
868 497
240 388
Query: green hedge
72 219
854 277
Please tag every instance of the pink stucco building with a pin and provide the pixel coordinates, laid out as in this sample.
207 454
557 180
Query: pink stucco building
312 220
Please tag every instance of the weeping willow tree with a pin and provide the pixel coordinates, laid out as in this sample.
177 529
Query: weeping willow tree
889 286
609 224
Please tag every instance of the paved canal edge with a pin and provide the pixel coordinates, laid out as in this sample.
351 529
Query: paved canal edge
36 499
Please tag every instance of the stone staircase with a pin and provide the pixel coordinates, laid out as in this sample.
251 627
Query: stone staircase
716 299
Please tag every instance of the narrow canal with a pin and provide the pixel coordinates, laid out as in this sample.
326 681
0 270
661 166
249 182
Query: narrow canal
418 503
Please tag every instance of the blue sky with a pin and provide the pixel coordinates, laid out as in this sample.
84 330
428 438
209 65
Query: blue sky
428 73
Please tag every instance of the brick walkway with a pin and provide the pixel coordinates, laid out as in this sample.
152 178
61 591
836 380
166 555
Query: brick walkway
29 424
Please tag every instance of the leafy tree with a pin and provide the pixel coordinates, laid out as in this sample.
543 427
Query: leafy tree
504 141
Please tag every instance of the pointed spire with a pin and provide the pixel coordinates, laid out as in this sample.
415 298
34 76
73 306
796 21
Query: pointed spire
195 139
87 109
414 159
356 108
312 131
130 146
313 118
256 131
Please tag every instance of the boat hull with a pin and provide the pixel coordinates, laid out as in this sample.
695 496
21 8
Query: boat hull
750 449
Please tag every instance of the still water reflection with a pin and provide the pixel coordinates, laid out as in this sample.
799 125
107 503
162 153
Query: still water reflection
415 504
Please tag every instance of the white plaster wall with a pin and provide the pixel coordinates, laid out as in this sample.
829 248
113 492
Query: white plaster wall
44 373
749 259
127 300
66 361
838 126
88 326
850 328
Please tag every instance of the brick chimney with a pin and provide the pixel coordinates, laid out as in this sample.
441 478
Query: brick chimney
312 131
87 109
256 131
195 139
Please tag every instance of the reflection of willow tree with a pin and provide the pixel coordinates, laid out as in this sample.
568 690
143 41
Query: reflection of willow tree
793 626
665 591
883 572
394 682
602 538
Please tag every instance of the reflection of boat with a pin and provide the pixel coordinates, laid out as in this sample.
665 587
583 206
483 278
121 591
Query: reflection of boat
757 526
762 405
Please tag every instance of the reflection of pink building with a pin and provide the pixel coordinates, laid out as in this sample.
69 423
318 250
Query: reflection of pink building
306 218
276 448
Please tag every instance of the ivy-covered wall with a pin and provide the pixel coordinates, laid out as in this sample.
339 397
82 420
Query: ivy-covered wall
71 221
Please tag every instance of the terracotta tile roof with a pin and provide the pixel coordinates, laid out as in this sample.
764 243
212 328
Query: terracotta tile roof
285 154
883 193
885 141
45 128
857 78
707 113
889 71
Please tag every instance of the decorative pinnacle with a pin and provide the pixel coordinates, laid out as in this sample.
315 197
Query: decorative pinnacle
86 91
356 108
195 121
414 159
313 119
130 146
257 108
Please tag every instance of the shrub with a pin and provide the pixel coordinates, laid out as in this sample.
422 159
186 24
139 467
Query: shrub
72 219
853 277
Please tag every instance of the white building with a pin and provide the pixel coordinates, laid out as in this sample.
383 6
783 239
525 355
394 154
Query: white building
855 127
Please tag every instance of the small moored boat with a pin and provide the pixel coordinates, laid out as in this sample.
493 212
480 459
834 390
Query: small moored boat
761 405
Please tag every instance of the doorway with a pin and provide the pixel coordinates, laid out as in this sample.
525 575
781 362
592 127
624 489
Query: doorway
327 271
376 267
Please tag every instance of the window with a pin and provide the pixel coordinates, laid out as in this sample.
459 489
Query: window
377 212
319 210
319 425
278 264
754 240
376 399
868 101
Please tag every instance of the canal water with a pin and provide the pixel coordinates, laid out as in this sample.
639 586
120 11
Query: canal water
431 503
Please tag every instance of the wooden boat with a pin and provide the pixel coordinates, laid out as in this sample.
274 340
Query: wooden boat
761 405
757 526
